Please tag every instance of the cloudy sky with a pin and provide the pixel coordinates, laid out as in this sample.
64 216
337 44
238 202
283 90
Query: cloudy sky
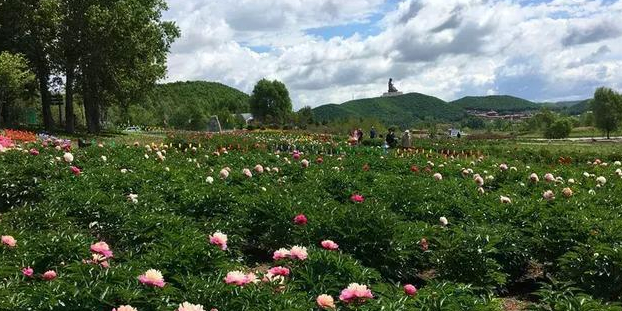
331 51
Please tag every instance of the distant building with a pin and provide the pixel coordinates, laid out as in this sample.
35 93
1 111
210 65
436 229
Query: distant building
247 118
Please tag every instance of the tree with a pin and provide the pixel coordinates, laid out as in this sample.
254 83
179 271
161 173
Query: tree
559 129
270 98
607 109
305 116
14 76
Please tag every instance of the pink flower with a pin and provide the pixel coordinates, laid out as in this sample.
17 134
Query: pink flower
534 178
102 248
330 245
410 289
259 169
567 192
479 181
355 293
219 239
300 220
247 173
325 302
152 278
503 167
357 198
304 163
280 254
28 272
239 278
279 271
9 241
296 155
319 160
49 275
186 306
34 152
76 171
224 173
549 177
548 195
424 244
125 308
298 252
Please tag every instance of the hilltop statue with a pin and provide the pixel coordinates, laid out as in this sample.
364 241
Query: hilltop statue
392 90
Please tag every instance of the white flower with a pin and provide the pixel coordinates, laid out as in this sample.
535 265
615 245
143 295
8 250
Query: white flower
123 170
167 169
571 181
444 222
68 157
586 174
592 192
601 180
210 180
133 198
548 195
146 156
104 158
505 200
617 163
438 176
186 306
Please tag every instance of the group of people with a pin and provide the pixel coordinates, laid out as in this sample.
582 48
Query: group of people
357 135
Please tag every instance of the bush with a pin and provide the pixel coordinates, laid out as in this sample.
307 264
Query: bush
559 129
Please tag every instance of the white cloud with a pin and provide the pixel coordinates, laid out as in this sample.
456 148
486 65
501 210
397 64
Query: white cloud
448 48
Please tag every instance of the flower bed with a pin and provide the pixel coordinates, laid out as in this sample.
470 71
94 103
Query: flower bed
302 222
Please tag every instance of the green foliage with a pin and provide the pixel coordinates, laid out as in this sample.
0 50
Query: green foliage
497 103
270 102
15 75
607 109
561 128
404 110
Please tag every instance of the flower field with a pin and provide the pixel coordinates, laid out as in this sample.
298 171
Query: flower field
304 222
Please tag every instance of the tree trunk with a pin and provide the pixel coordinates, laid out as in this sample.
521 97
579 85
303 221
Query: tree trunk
46 99
5 113
91 109
69 115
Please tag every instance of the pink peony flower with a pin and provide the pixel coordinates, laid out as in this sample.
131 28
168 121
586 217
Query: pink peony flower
28 272
125 308
567 192
279 271
410 290
258 169
239 278
49 275
438 177
325 302
186 306
319 160
152 278
548 195
534 178
298 252
330 245
9 241
246 172
548 177
102 248
280 254
355 293
296 155
76 171
224 173
479 181
219 239
300 220
34 152
357 198
304 163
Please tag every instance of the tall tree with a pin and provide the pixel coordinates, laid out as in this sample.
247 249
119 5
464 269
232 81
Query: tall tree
28 27
270 100
607 109
14 76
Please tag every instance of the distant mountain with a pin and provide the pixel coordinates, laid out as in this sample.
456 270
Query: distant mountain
578 107
402 110
499 103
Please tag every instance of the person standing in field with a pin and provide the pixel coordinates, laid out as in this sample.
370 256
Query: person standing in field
359 135
390 139
372 133
406 140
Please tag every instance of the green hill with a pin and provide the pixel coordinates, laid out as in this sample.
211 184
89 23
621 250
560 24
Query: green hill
188 105
499 103
403 110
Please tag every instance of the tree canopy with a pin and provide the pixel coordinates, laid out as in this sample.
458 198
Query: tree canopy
607 109
14 76
270 101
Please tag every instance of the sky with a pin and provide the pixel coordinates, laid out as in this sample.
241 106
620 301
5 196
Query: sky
332 51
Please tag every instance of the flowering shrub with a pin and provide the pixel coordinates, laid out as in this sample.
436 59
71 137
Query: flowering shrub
108 227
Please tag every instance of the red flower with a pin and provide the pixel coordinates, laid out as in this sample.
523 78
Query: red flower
414 169
300 220
366 167
76 171
319 161
357 198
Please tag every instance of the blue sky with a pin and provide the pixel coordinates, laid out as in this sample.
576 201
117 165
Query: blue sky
330 51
